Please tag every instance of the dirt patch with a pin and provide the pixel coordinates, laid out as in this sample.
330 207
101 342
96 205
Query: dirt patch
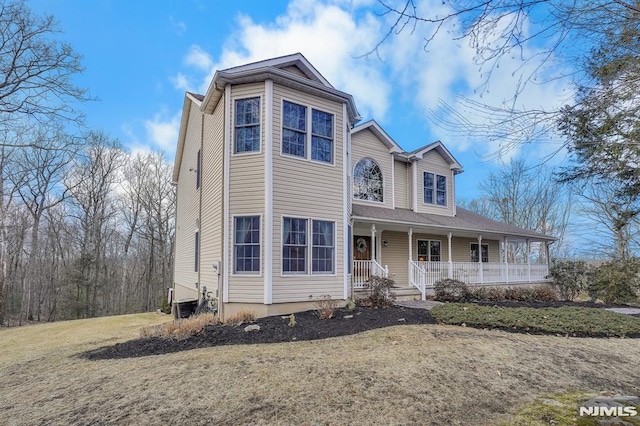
274 329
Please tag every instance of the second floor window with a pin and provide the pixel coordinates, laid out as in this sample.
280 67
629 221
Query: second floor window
294 129
367 181
435 189
247 125
296 140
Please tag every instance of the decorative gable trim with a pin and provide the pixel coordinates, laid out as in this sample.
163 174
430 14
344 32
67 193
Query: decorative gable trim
380 134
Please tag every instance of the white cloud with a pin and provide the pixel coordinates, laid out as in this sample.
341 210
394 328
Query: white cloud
162 131
198 58
179 26
327 34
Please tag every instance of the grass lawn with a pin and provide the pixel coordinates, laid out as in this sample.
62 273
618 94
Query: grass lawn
410 374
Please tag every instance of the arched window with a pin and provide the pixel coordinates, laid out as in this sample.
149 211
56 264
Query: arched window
367 181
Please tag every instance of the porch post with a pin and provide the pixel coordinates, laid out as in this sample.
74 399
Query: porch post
450 261
529 260
506 259
373 241
480 258
546 252
411 244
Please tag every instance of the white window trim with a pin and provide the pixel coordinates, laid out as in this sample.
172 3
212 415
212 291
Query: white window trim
233 126
428 240
480 253
360 200
309 230
435 195
232 268
307 137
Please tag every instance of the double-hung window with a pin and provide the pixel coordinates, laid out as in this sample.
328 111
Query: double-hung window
198 161
247 125
475 253
296 245
246 245
435 189
323 252
321 136
429 250
294 129
297 141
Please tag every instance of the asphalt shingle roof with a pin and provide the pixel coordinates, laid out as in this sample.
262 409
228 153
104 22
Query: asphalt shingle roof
464 220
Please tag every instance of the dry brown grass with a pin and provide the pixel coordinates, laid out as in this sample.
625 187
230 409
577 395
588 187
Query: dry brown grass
180 329
243 316
406 374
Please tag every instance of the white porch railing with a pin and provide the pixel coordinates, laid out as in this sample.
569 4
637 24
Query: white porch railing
418 277
363 270
482 273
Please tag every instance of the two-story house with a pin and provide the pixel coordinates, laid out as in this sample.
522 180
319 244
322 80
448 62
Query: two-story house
283 198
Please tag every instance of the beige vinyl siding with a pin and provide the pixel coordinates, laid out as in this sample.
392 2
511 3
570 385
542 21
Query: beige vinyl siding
187 210
311 190
402 181
246 198
461 249
433 162
294 70
365 144
396 256
212 197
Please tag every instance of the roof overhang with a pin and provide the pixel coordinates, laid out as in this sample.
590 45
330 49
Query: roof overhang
468 232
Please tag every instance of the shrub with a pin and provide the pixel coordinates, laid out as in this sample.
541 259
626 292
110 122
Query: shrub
616 282
450 290
595 322
180 329
165 308
243 316
379 292
545 294
569 278
486 294
325 306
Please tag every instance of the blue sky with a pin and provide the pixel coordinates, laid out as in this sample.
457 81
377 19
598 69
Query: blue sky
140 57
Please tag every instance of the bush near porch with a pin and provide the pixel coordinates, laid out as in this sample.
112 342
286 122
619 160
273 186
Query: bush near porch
450 290
564 321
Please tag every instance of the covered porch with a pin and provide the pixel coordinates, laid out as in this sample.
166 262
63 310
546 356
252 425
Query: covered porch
417 255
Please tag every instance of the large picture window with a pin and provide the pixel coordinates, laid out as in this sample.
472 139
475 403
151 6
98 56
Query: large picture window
247 125
367 181
296 140
323 252
435 189
294 245
247 245
475 253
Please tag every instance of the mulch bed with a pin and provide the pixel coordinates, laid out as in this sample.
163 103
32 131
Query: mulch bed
274 329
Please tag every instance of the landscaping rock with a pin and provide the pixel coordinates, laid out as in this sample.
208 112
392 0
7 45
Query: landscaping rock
347 317
252 327
402 320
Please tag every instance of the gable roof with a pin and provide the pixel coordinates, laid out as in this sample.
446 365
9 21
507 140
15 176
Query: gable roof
189 98
306 79
380 134
441 149
465 221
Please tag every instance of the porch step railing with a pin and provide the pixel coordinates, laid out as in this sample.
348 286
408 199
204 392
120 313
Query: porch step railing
363 270
418 278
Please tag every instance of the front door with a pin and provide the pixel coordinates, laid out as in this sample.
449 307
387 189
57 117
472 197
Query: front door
361 248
